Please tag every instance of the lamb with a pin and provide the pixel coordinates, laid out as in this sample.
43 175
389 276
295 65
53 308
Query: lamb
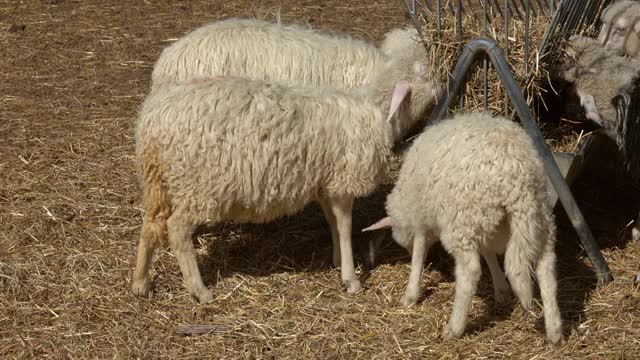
477 183
266 51
242 150
598 77
621 28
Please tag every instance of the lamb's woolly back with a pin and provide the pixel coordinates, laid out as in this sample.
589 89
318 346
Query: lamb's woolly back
448 165
266 51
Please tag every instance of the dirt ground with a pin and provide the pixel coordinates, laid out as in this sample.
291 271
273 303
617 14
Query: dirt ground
71 81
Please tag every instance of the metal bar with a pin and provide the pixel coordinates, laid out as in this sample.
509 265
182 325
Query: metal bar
526 37
485 68
516 11
438 23
506 49
459 27
496 6
467 60
412 11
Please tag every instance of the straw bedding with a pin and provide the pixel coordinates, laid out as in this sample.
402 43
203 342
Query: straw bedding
72 81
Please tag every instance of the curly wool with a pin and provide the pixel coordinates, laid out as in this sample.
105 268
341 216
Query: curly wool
476 183
600 74
617 33
266 51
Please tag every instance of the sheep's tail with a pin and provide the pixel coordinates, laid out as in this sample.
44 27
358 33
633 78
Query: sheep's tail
530 222
155 198
156 204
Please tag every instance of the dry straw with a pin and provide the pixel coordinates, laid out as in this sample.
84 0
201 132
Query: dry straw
530 68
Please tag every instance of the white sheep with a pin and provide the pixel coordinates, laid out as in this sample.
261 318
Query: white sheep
477 183
621 28
266 51
235 149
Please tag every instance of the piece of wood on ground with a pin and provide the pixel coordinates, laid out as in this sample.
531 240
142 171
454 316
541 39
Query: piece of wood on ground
200 329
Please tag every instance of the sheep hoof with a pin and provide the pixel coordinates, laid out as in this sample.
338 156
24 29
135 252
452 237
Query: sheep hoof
502 296
204 296
556 338
448 333
140 288
410 299
353 286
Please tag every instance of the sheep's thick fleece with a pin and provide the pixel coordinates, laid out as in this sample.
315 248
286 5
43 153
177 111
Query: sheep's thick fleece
238 149
235 149
266 51
476 183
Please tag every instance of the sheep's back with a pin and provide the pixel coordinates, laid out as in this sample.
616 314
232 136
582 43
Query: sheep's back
251 151
265 51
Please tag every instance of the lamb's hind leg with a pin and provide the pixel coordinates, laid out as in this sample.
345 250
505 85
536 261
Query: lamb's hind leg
468 273
501 290
180 233
335 238
421 245
341 206
545 271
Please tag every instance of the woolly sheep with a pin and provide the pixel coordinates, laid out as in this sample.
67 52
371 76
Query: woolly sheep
477 183
621 28
235 149
266 51
598 77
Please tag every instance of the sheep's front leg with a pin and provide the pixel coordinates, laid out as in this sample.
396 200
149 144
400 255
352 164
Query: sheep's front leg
341 207
180 233
501 288
420 249
468 273
331 220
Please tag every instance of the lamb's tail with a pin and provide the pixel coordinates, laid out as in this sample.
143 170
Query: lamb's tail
530 221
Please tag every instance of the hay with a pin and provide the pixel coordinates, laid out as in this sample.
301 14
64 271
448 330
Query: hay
531 73
70 219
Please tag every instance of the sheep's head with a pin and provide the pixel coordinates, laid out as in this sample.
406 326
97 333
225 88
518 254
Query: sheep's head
620 27
415 90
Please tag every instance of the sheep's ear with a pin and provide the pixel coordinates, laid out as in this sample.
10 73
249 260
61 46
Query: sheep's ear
380 224
399 93
591 112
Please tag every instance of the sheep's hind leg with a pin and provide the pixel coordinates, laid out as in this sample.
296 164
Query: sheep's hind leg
545 271
501 290
146 247
335 238
468 273
341 208
180 233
